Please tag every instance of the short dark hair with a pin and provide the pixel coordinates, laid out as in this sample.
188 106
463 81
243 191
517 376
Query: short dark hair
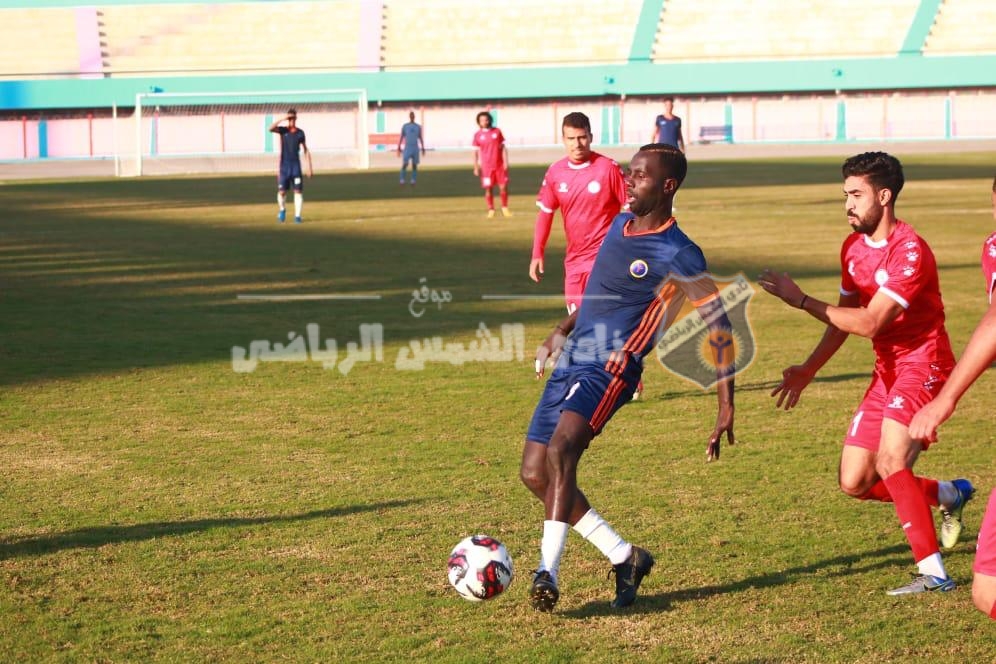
881 169
291 111
486 114
671 158
669 98
576 120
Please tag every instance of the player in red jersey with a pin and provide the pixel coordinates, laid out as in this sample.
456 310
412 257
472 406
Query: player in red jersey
589 190
978 355
889 293
491 162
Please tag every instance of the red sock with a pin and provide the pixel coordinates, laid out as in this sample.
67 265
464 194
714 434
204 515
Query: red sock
489 198
913 512
880 493
504 197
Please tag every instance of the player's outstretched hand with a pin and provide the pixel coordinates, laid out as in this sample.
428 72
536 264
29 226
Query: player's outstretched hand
925 422
536 269
724 424
549 351
781 286
794 381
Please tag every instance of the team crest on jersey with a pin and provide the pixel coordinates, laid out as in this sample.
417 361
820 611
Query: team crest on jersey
689 349
638 269
594 187
881 276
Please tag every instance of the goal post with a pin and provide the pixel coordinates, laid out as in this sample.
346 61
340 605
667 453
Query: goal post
228 132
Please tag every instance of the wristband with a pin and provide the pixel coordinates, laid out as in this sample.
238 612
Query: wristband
802 303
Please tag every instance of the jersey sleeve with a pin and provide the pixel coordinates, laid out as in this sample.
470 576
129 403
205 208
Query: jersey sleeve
546 199
693 277
847 285
989 265
302 136
476 142
908 271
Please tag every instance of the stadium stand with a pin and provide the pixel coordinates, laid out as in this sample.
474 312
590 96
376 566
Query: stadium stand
21 32
240 37
438 33
956 28
768 29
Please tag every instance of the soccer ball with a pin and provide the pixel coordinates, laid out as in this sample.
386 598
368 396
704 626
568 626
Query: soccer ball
480 568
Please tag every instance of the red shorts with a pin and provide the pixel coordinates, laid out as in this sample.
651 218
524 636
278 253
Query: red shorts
895 395
574 285
493 177
985 550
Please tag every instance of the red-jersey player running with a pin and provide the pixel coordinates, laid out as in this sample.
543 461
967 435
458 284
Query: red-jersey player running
491 162
978 355
889 293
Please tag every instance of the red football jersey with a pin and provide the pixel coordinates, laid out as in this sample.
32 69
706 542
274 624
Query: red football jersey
903 267
490 143
989 265
589 196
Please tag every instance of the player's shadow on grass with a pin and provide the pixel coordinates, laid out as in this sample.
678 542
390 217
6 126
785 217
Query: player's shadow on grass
767 385
838 566
91 538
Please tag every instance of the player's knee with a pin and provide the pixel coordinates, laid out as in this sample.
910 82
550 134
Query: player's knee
983 598
533 477
855 487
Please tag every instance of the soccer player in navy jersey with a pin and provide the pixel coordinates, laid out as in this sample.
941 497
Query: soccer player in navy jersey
645 271
411 137
292 145
667 126
890 293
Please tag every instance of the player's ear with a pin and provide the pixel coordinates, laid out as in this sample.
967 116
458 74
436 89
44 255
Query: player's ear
884 196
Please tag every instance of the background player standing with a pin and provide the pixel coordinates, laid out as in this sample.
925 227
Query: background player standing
491 162
978 355
889 293
645 270
667 126
411 137
589 191
290 177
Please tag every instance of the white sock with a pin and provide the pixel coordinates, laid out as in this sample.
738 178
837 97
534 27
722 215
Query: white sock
282 200
947 494
552 547
298 203
596 530
933 565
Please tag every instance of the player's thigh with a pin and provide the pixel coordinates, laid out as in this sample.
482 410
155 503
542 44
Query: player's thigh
984 592
985 552
865 428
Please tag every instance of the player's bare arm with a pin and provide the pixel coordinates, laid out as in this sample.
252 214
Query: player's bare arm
979 354
550 349
797 377
719 325
862 321
307 158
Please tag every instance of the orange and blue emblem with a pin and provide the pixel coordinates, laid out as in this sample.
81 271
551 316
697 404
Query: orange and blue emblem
638 268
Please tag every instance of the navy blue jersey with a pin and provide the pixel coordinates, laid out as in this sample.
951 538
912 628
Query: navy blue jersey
668 130
636 289
290 150
410 133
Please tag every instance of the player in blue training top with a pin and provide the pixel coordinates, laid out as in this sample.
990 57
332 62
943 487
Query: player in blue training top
411 136
290 177
667 126
645 271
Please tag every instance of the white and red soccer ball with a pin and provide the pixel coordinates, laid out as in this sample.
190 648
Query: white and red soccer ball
480 568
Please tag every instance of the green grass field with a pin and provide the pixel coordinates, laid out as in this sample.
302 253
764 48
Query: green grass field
159 506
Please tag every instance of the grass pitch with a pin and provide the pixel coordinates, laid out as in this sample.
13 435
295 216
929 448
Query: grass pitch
157 505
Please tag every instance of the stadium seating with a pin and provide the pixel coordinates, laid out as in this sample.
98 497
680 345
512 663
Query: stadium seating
23 30
773 29
447 33
218 37
956 28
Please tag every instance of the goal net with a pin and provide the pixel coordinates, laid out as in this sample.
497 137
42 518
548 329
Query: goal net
174 133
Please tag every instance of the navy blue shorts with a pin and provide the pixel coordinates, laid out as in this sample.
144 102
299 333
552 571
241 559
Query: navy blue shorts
290 179
586 389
